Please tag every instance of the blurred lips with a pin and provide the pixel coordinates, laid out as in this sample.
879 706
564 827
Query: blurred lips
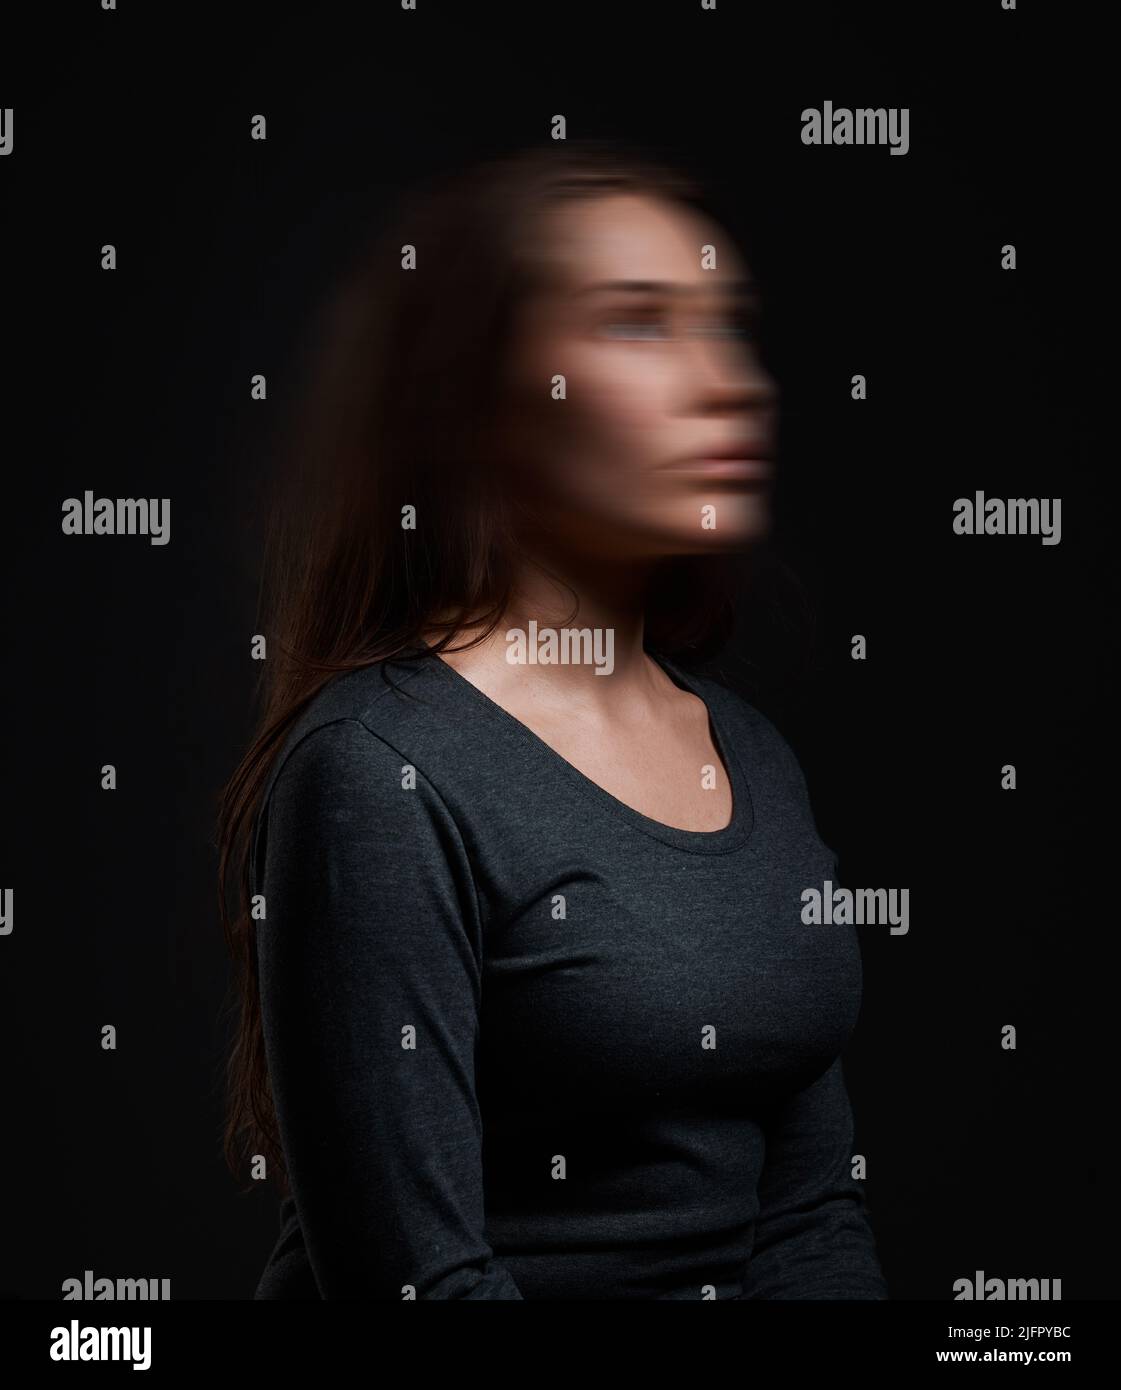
739 462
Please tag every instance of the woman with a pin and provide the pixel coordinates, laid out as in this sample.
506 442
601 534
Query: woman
528 1009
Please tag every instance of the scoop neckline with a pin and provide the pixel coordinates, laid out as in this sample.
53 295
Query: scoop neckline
728 837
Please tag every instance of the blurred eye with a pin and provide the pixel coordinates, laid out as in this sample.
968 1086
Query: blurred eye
742 328
640 330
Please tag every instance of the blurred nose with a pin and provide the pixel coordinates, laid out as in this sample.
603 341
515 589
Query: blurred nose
727 378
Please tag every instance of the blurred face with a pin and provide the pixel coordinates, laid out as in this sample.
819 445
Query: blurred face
663 443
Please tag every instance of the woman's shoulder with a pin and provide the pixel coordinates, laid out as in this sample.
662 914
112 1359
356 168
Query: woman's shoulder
366 736
374 711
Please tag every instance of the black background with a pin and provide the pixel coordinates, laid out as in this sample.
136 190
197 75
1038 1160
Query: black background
132 128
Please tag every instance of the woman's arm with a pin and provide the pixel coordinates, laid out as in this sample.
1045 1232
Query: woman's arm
370 974
812 1239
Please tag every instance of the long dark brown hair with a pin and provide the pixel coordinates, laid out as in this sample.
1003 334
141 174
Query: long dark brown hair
405 390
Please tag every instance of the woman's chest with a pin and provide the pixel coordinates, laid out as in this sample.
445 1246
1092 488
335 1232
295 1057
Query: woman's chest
663 974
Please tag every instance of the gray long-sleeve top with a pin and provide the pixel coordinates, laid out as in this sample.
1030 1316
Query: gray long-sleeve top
526 1042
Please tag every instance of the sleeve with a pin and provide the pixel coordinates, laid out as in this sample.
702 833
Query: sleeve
369 968
812 1238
